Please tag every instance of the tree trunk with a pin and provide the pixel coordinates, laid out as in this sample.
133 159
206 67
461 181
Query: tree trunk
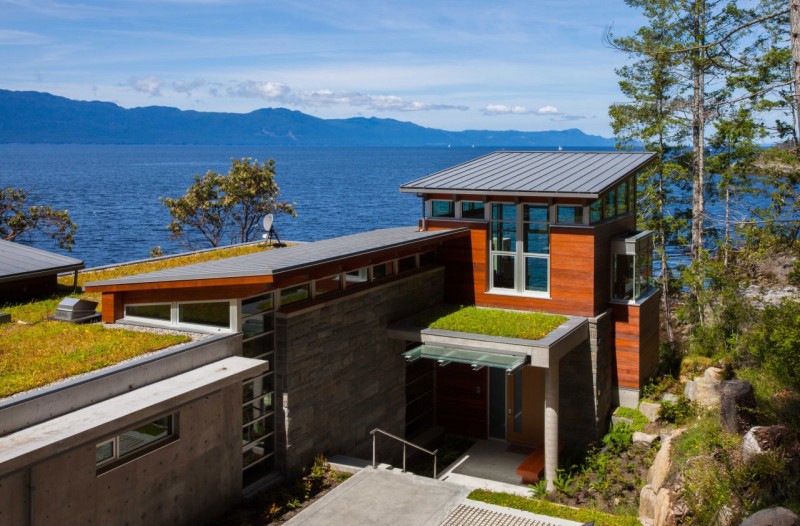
794 31
698 133
727 225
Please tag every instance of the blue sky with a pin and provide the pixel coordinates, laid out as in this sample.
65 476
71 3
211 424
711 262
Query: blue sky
466 64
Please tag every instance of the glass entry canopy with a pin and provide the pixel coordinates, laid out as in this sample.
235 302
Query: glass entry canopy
477 359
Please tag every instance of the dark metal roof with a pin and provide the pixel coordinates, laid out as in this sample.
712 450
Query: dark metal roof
271 262
580 174
19 262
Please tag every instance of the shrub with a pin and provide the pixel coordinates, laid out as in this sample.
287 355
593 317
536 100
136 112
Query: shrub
639 420
677 413
775 341
619 437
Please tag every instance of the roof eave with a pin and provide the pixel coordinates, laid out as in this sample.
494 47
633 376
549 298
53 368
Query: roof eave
10 278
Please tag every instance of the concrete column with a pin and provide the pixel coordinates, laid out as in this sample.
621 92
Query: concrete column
551 424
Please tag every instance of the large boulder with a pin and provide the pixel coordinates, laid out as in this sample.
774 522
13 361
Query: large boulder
737 405
704 391
761 439
773 517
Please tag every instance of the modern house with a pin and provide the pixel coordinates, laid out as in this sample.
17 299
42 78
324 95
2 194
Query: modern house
320 343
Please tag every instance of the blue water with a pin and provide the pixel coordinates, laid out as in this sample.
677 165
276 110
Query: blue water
112 191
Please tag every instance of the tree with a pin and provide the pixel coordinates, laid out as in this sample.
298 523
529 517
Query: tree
17 218
228 206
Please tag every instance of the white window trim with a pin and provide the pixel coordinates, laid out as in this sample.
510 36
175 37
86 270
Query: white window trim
174 323
518 254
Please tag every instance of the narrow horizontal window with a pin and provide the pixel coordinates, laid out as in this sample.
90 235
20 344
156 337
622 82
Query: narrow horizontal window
213 313
443 208
354 277
472 210
294 294
569 215
257 304
136 441
328 285
383 270
406 264
160 312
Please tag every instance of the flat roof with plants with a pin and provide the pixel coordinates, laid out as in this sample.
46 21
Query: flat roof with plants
35 351
491 322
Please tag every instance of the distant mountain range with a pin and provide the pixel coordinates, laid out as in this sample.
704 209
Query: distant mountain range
35 117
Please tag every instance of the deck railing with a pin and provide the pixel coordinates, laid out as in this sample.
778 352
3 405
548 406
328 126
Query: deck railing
406 443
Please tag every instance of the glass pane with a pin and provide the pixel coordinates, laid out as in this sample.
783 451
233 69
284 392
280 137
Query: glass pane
622 199
427 258
383 270
258 346
294 294
357 276
255 325
147 434
104 451
258 429
540 213
257 408
215 313
406 264
443 209
622 287
596 212
536 275
472 210
632 194
537 238
328 285
504 212
503 275
504 236
611 204
644 274
155 312
569 215
257 387
257 451
257 304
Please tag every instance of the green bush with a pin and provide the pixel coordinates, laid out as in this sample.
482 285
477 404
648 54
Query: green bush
619 437
677 413
639 420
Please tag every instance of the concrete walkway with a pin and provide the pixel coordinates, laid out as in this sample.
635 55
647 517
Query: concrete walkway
387 498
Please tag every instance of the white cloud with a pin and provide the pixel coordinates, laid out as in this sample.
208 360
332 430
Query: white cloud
182 86
503 109
150 85
10 37
548 110
282 93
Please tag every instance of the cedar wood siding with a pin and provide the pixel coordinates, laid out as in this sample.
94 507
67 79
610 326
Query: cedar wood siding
636 340
580 268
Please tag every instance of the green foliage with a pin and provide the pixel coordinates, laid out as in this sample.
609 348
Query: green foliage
18 218
494 322
794 274
539 489
156 252
553 510
775 342
619 437
639 420
677 413
230 206
563 482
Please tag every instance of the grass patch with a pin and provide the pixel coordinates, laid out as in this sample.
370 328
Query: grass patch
492 322
39 354
553 510
639 420
161 264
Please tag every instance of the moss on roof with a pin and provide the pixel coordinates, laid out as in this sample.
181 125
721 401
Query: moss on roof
491 322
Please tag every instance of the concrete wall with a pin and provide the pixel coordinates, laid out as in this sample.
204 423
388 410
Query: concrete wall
186 481
339 372
585 385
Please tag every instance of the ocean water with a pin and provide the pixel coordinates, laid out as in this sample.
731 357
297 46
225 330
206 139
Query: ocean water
112 191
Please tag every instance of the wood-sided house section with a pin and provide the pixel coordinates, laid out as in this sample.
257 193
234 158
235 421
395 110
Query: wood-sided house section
552 232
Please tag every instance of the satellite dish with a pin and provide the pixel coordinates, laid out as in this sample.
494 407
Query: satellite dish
268 219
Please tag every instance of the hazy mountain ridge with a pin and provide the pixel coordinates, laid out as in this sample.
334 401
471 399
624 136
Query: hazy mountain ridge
36 117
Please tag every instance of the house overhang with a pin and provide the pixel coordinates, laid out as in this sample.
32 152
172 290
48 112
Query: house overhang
543 352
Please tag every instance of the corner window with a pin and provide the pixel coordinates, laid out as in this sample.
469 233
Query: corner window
569 215
631 266
472 210
443 208
137 441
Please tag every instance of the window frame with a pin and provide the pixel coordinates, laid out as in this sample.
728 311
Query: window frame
118 459
175 322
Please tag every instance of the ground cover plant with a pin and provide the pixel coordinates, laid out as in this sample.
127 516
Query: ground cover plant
492 322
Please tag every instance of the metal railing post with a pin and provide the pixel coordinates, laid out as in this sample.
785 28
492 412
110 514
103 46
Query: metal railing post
434 465
405 444
373 449
404 457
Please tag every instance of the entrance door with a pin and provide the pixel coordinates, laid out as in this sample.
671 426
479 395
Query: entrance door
525 398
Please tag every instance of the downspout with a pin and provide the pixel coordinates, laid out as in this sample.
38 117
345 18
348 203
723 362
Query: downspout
423 213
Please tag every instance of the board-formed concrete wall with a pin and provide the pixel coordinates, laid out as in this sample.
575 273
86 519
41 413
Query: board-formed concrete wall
340 375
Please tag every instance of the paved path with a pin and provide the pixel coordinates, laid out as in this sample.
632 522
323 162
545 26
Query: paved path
385 498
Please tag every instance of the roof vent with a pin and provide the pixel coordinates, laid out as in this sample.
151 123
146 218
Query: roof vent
74 310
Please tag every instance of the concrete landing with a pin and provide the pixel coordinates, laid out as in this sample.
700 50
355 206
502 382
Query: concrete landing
381 497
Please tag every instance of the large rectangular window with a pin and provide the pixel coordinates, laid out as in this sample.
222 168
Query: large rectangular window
472 210
443 208
207 316
159 312
569 214
212 313
520 264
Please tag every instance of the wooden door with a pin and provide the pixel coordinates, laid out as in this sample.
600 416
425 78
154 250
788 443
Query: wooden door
525 415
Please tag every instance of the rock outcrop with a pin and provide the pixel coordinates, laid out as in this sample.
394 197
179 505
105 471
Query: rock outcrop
737 405
773 517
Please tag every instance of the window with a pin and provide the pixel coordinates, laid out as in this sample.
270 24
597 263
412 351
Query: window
356 277
443 208
472 210
160 312
294 294
213 314
427 258
520 265
569 215
137 441
406 264
258 327
258 426
383 270
631 266
596 211
327 285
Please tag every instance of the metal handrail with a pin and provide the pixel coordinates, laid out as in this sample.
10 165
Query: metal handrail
405 444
